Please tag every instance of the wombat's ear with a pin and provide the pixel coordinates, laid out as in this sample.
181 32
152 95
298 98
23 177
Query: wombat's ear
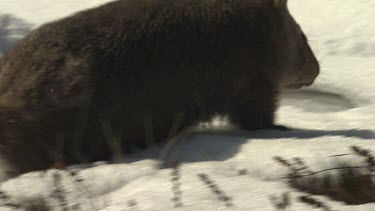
280 3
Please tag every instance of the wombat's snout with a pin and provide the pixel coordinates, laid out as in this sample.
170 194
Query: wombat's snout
310 71
312 74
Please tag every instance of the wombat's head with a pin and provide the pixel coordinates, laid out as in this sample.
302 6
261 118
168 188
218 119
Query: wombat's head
300 67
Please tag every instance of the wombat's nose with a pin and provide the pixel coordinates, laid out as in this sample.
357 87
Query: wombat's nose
316 67
312 78
314 71
308 83
309 78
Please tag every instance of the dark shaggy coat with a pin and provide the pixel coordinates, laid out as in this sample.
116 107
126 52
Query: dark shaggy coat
103 79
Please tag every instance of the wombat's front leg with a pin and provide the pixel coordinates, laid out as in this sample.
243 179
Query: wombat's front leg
255 112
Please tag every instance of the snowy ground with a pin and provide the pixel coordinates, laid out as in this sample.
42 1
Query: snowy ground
334 114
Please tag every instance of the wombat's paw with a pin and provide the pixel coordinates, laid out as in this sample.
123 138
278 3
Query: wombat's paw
276 127
58 165
6 171
280 128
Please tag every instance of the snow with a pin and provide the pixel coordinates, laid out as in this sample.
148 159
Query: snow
338 111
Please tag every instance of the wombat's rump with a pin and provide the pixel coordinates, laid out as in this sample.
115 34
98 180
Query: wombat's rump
124 70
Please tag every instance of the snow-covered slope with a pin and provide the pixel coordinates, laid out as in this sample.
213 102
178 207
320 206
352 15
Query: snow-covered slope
332 115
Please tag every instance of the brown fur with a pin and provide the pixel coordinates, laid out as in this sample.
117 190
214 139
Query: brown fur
115 63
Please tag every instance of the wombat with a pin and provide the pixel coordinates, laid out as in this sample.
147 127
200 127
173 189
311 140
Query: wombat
118 75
